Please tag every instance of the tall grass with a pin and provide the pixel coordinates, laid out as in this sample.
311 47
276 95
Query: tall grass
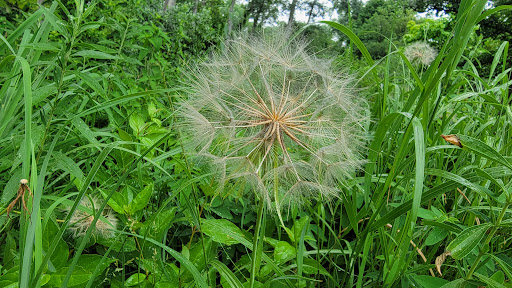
76 121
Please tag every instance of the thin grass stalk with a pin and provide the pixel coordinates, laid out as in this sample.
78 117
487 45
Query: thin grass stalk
487 241
27 245
257 243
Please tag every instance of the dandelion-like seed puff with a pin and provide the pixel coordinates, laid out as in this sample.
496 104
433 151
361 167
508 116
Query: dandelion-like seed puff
81 221
420 52
267 114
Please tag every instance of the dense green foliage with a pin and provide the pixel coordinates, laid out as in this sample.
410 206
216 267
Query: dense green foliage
89 100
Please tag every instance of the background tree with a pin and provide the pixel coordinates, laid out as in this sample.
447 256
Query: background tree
314 9
261 11
291 19
375 22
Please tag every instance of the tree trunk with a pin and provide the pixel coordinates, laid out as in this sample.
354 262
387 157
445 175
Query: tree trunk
292 14
257 13
169 4
230 18
311 10
195 7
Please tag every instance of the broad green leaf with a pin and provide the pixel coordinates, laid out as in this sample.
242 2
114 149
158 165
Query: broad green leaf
297 227
142 199
435 236
459 283
467 240
135 279
427 281
221 231
284 252
116 202
311 266
60 257
90 261
126 245
79 276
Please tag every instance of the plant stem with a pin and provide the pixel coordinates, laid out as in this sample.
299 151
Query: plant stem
488 240
256 244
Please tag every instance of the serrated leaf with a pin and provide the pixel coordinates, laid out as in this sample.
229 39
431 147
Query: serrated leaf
467 240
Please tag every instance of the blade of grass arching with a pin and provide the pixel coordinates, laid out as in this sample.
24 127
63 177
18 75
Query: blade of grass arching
446 187
226 274
28 238
492 11
22 28
27 88
300 252
120 100
398 263
7 44
480 148
385 88
366 249
413 72
497 57
419 144
353 37
465 22
467 16
375 147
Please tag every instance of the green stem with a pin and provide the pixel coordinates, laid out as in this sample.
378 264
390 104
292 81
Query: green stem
487 241
256 251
